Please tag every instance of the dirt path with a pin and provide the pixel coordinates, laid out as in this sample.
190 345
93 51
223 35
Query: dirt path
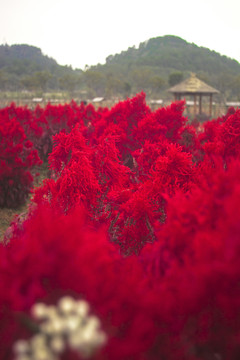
8 215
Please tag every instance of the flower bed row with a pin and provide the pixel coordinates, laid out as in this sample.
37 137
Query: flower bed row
140 223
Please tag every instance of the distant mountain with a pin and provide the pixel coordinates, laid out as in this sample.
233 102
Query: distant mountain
172 52
153 67
24 55
25 67
159 57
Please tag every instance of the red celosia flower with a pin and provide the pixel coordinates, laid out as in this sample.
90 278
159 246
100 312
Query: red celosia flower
17 159
57 255
141 177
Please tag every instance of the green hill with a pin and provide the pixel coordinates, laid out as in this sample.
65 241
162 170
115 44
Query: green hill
153 67
171 52
25 67
154 63
14 55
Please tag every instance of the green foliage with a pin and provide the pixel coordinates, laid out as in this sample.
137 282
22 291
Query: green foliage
153 67
3 80
95 80
36 81
69 82
235 85
175 78
173 59
25 67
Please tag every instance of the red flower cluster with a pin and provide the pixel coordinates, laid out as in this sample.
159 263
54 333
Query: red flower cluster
119 172
147 185
17 159
35 128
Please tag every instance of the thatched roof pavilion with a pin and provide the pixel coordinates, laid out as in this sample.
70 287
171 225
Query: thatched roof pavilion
194 87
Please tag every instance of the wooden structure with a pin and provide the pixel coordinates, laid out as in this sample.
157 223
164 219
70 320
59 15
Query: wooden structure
196 88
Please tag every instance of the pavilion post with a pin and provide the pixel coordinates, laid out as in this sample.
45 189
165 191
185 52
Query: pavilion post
200 104
210 105
194 106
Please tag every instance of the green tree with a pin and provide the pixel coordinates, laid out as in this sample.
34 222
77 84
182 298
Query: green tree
69 83
95 81
28 82
114 86
3 80
175 78
157 84
127 89
224 83
41 79
141 78
36 81
235 86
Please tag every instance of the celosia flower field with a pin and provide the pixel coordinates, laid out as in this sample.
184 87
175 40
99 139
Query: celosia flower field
131 249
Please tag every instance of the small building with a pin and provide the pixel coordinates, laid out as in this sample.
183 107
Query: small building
235 104
98 99
37 100
195 88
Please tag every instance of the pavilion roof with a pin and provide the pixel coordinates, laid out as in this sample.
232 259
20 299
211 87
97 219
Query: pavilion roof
193 85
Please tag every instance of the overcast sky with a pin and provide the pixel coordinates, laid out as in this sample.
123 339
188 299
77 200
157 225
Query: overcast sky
86 32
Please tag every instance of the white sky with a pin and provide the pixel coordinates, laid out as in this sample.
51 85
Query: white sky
86 32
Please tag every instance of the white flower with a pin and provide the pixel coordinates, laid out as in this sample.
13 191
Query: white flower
66 304
67 324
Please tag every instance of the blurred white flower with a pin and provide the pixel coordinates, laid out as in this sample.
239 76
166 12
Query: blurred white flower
66 325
